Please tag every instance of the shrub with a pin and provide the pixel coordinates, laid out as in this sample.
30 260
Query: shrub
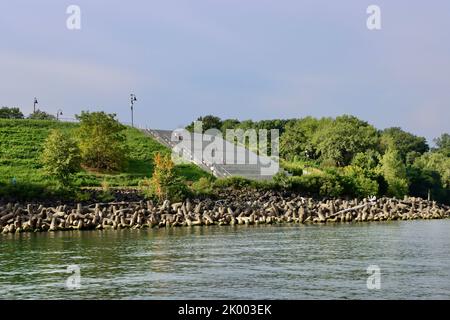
360 182
202 187
394 171
105 195
102 141
10 113
295 168
82 196
331 186
283 180
41 115
366 160
61 157
243 183
164 184
237 182
319 184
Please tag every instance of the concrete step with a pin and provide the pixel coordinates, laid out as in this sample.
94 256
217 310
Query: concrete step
249 171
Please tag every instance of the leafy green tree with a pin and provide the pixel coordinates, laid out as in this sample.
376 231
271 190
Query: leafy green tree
367 160
437 162
10 113
279 124
208 122
424 182
102 141
297 139
344 138
411 157
328 184
430 175
229 124
164 184
394 172
363 182
443 144
404 142
246 124
41 115
61 157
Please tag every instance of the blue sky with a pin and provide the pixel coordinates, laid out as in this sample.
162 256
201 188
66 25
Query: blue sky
247 59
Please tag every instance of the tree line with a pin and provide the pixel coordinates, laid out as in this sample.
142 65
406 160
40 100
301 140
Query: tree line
15 113
347 155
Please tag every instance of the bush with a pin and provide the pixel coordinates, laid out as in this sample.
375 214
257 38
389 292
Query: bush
394 171
295 168
202 187
283 180
398 188
10 113
102 141
360 183
164 184
61 157
34 191
366 160
319 184
236 182
105 195
41 115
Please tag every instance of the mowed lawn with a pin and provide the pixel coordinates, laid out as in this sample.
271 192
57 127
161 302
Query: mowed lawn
22 141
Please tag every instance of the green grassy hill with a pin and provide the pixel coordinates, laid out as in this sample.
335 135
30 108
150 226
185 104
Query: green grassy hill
21 144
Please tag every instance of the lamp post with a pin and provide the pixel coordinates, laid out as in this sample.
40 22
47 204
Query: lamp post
58 113
34 104
132 100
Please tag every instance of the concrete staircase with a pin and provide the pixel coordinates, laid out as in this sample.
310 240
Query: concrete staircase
250 166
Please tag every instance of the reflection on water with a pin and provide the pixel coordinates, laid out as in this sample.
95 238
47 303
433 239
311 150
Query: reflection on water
255 262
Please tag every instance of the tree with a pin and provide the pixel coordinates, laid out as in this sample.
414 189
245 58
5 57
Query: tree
424 182
394 172
208 122
41 115
229 124
164 184
366 160
443 144
10 113
279 124
404 142
344 138
411 157
61 156
101 140
363 182
437 162
297 139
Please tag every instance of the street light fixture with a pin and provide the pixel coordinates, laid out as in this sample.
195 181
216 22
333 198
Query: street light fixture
132 100
34 104
58 113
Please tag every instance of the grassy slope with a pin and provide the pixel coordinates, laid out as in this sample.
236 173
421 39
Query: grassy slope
21 143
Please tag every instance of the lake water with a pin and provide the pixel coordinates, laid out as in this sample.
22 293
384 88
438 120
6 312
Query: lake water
241 262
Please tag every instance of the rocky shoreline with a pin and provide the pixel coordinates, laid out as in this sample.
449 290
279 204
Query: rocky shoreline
231 207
